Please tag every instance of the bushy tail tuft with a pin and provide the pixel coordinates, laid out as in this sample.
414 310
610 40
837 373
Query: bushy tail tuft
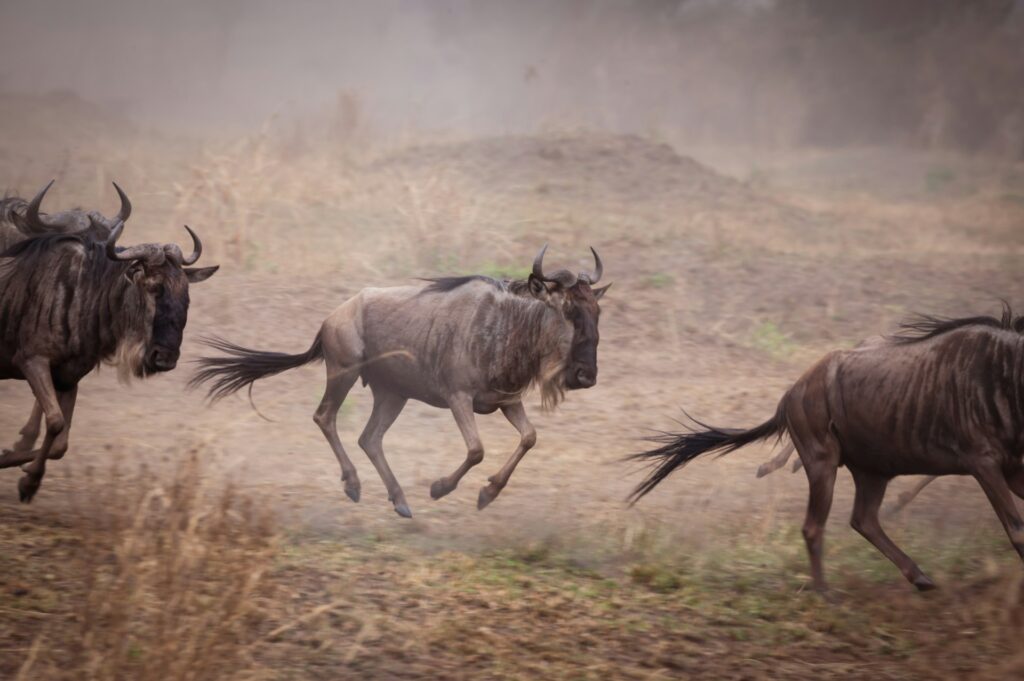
243 366
678 449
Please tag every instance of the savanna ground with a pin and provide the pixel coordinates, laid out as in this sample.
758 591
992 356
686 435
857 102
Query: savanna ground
179 540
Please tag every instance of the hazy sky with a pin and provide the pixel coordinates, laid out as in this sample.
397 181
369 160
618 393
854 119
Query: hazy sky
747 74
440 62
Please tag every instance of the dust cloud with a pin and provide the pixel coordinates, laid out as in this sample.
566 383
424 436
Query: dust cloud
778 73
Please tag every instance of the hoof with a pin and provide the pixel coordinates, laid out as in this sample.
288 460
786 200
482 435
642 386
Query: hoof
439 488
487 494
27 488
352 491
402 509
763 470
923 583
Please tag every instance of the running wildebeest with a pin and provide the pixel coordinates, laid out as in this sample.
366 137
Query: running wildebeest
780 459
470 344
70 298
942 397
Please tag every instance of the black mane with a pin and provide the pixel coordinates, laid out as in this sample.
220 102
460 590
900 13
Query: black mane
923 327
446 284
41 243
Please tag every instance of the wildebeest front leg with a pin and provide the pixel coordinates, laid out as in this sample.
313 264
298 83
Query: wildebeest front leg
867 501
516 415
30 431
37 372
11 458
993 481
461 405
386 408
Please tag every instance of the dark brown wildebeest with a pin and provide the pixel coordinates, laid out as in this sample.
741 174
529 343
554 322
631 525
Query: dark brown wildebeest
780 459
470 344
943 397
21 220
70 298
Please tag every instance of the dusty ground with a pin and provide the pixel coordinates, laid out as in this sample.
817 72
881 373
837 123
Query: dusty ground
727 284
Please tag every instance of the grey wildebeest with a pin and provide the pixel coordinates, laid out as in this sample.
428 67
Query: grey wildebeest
70 298
942 397
470 344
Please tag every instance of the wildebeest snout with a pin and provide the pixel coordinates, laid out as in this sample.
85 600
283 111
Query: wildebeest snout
583 376
162 359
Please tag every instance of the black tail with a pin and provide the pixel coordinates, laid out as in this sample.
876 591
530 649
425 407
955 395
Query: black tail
678 450
243 366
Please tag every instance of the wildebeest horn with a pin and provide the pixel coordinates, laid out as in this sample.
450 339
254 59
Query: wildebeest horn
174 253
598 270
126 205
32 211
197 249
149 252
538 263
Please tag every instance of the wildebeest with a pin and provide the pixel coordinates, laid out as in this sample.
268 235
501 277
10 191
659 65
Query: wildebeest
70 298
471 344
942 397
780 459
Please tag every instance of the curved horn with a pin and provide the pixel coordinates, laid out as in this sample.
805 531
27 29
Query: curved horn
147 252
598 270
126 205
197 249
32 211
538 264
115 234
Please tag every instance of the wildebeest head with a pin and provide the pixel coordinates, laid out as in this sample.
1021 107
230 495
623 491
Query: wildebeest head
575 298
156 299
160 275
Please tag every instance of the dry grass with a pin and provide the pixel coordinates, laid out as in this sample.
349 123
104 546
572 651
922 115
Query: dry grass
140 578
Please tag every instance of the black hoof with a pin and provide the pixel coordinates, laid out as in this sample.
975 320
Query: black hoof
403 510
438 489
27 488
487 495
352 492
924 584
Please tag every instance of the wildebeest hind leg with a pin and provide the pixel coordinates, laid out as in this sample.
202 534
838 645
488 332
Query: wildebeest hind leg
339 382
516 415
906 497
867 501
30 431
461 405
386 408
993 481
777 462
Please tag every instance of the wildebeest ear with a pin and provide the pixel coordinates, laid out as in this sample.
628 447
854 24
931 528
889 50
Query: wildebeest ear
599 292
134 271
198 274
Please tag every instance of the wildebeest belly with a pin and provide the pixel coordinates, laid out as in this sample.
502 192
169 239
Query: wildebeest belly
889 420
405 377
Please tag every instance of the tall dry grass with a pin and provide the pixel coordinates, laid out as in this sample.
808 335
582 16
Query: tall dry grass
164 583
